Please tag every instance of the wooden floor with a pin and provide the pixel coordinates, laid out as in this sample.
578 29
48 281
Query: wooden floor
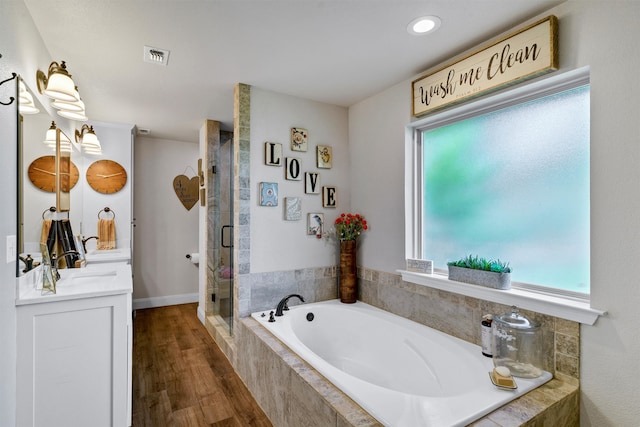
180 376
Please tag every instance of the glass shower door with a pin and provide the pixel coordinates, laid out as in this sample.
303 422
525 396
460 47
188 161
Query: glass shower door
223 224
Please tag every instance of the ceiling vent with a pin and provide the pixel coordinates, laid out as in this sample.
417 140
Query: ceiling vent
157 56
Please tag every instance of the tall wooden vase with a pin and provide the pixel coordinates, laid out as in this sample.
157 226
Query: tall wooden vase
348 272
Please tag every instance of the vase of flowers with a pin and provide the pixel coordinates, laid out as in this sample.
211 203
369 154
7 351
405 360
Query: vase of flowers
348 228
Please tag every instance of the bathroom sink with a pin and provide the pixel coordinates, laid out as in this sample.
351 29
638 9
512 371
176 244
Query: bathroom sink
95 256
100 279
99 252
94 276
80 277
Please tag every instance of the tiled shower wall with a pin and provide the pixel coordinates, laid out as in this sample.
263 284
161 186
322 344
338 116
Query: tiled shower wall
241 197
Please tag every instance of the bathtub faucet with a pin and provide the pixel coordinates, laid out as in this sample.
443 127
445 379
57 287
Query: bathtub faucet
282 305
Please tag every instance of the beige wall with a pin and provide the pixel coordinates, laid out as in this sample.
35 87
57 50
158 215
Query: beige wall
165 231
277 244
602 35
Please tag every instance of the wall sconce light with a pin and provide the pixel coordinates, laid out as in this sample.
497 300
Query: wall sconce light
57 83
88 140
50 139
26 104
50 136
73 110
68 105
79 116
59 86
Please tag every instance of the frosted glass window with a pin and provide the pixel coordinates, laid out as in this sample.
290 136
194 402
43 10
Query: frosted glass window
513 184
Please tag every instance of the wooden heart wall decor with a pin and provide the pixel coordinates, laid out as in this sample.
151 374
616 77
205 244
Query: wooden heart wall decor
187 190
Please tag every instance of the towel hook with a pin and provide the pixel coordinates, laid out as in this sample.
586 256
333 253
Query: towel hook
13 76
51 209
107 209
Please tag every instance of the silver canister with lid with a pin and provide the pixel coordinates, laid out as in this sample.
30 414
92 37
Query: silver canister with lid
517 344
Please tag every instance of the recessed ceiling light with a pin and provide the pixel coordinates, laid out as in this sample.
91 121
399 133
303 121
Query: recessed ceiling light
423 25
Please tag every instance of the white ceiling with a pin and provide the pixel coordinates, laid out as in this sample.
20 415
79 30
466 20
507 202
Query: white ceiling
335 51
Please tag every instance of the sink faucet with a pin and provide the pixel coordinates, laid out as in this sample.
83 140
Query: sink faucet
28 263
282 305
55 261
84 242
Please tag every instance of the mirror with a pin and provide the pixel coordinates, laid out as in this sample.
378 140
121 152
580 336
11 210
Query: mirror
41 154
63 171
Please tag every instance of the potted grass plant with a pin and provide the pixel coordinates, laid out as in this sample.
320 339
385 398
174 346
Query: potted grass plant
481 271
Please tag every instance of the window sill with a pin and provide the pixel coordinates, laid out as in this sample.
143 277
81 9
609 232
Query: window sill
564 308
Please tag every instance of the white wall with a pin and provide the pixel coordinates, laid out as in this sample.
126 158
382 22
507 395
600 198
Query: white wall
22 52
165 231
8 221
277 244
376 144
602 35
116 142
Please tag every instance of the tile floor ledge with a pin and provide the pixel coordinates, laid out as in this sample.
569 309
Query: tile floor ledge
554 403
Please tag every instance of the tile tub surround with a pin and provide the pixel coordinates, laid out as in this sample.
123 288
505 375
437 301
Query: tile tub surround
292 393
460 316
268 362
288 390
263 291
456 315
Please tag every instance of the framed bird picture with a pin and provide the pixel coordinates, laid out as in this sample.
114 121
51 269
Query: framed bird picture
315 224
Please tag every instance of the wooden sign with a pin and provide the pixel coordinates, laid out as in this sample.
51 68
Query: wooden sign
187 190
525 54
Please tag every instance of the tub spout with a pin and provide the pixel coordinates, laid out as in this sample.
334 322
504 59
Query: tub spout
282 305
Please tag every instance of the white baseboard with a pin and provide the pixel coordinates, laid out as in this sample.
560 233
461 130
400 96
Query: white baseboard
152 302
201 315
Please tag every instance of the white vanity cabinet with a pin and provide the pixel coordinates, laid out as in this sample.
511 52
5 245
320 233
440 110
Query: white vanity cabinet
74 357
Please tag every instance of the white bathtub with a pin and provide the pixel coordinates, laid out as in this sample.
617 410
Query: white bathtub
401 372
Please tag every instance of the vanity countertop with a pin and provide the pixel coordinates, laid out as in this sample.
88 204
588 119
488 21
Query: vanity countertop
95 280
94 256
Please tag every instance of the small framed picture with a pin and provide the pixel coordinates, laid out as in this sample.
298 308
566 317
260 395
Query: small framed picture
299 139
268 194
292 208
315 224
324 156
